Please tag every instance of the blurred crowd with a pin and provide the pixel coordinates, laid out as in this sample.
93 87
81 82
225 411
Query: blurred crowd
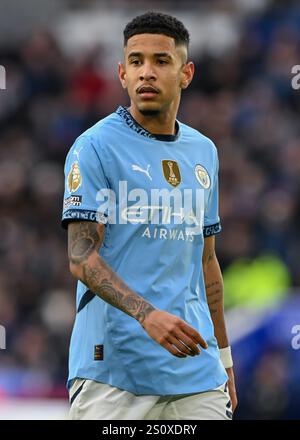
242 100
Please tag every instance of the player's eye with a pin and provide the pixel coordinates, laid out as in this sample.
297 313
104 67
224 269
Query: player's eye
162 62
136 62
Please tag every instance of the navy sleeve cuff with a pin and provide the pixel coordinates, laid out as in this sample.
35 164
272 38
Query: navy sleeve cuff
212 230
72 215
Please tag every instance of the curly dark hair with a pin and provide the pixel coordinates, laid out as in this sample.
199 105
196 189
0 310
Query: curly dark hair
157 23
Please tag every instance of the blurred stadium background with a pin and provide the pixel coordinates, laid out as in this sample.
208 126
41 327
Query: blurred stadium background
61 60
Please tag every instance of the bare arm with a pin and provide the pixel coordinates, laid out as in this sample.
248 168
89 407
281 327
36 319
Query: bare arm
174 334
215 298
214 290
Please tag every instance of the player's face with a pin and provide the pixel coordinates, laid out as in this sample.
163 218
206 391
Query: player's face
154 72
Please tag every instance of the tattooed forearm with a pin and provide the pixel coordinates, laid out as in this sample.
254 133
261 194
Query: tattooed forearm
104 282
215 302
143 311
214 285
214 293
112 295
85 239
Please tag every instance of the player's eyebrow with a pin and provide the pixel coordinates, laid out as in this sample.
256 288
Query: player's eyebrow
157 55
134 54
163 54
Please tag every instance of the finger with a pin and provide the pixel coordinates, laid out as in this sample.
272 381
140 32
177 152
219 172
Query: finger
190 343
173 350
190 331
180 345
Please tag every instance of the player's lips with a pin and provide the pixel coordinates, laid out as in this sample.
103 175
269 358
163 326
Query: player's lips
147 91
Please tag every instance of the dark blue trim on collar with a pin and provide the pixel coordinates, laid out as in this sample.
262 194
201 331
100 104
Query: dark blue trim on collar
132 123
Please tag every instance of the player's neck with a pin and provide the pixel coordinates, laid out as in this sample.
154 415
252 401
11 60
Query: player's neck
164 123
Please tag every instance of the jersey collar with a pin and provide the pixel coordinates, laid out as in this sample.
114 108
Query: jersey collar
134 125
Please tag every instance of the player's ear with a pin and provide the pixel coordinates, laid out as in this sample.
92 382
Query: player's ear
122 74
187 73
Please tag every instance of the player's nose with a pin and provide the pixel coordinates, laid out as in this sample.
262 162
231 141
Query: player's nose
147 72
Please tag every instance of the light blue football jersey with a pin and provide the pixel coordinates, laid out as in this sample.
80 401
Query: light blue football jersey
158 198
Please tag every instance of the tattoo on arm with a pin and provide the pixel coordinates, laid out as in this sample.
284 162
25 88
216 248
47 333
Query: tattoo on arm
214 295
84 239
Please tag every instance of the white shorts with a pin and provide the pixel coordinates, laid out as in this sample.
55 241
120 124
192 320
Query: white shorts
92 400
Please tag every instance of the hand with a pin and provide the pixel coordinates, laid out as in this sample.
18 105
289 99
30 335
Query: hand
231 388
173 333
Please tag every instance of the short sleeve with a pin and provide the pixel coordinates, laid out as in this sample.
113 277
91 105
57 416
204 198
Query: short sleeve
212 225
84 178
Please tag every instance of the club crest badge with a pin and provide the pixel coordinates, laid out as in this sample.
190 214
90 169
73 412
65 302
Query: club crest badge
202 176
171 172
74 178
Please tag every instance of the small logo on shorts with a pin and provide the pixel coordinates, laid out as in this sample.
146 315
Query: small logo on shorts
98 353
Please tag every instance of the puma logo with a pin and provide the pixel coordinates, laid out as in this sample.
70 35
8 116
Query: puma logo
137 168
77 151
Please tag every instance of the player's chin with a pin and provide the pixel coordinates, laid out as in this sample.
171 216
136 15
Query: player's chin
149 108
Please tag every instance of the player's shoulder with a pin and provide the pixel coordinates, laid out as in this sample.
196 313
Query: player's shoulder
196 136
93 139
